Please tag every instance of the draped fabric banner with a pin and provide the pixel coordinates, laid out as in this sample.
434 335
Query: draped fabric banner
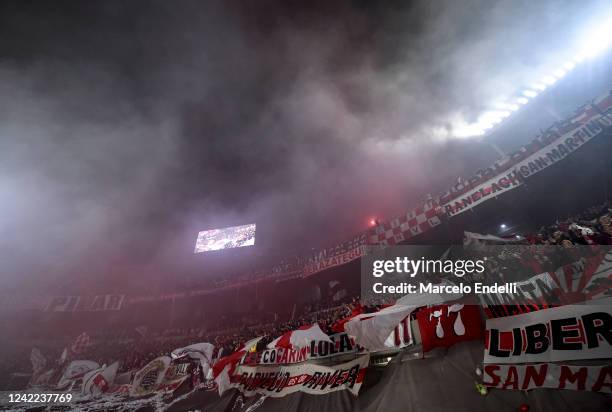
538 161
340 254
279 381
549 375
341 344
588 279
558 334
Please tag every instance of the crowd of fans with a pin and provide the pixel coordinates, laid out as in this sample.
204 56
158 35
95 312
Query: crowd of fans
136 348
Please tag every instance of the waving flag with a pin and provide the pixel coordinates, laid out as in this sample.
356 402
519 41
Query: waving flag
300 337
38 360
224 368
371 330
99 381
202 351
75 370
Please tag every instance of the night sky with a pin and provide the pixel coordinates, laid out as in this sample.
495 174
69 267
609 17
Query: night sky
127 127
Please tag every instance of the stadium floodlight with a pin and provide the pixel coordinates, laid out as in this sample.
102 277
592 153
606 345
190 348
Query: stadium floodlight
522 100
530 93
539 86
560 73
469 130
549 80
507 108
504 114
597 40
503 226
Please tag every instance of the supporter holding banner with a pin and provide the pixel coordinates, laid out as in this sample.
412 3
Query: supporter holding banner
549 375
564 333
279 381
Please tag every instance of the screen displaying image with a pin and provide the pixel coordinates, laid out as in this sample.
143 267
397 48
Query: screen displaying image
226 238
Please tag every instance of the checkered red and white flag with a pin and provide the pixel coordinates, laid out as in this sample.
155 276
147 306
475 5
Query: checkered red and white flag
81 344
406 226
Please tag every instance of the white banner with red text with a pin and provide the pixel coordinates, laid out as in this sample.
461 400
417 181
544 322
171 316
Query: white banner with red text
549 375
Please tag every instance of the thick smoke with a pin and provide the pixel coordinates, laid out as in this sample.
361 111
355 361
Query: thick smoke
126 127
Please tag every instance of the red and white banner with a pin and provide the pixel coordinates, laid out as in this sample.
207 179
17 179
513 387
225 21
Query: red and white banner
371 330
529 162
338 344
401 335
334 257
100 380
588 279
533 294
445 325
406 226
549 375
279 381
550 335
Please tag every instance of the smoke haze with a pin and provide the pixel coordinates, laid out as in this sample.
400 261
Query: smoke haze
127 127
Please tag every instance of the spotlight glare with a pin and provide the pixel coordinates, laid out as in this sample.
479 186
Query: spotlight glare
503 226
539 86
522 100
513 107
549 80
530 93
569 66
560 73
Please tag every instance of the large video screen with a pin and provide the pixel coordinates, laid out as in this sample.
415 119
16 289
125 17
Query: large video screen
226 238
